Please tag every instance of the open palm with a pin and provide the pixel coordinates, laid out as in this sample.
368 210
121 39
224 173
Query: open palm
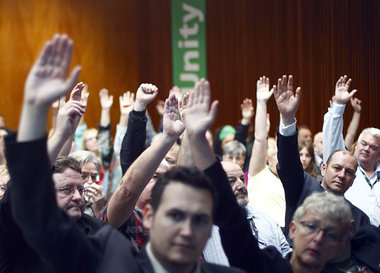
47 81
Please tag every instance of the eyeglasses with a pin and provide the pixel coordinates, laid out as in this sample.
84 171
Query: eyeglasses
94 176
71 190
313 228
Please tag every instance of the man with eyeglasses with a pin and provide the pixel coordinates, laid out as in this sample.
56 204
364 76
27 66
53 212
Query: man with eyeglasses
15 254
365 190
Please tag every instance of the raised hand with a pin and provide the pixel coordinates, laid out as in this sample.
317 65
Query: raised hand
70 113
183 105
176 91
126 103
247 110
96 195
342 96
263 93
145 94
356 104
198 115
47 81
172 126
106 100
287 101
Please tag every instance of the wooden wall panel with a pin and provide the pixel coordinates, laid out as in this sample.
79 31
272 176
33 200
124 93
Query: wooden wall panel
121 43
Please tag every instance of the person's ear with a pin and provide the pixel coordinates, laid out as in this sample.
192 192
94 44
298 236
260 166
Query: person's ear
323 169
148 216
292 230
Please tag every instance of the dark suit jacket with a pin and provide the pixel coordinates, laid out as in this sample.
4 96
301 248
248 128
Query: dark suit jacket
146 266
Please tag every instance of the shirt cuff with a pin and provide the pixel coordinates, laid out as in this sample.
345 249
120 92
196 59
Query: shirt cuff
288 130
337 109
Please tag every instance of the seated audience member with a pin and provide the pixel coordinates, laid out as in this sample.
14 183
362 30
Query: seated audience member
265 191
125 208
179 217
265 229
234 151
304 134
228 133
338 172
4 178
222 136
3 133
306 152
90 170
365 190
318 235
318 152
16 254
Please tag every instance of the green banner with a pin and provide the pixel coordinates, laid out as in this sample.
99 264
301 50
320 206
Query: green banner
188 19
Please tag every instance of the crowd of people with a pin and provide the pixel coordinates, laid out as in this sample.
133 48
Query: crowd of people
77 199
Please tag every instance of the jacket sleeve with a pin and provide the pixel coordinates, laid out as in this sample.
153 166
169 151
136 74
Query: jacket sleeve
290 172
239 244
47 229
134 140
241 133
105 146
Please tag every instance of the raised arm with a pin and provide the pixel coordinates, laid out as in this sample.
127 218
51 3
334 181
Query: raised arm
125 197
126 103
230 218
259 149
247 114
45 227
354 124
46 83
333 119
68 118
106 102
134 140
289 166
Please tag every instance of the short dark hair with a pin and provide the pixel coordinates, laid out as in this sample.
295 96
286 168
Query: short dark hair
66 162
344 152
188 176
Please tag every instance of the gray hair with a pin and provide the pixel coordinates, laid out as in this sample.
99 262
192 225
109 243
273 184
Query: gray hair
335 207
375 132
86 157
234 147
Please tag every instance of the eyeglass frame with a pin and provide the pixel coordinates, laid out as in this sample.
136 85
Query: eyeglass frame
311 228
82 190
94 176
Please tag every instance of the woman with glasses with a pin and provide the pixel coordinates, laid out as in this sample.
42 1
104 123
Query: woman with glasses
94 195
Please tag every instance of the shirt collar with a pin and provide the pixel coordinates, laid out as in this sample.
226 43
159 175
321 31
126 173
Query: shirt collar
158 268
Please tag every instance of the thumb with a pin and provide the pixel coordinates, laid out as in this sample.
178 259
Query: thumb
213 110
73 77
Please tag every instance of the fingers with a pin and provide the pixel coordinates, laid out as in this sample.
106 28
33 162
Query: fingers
352 93
290 83
69 83
148 88
171 106
76 93
45 53
213 110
